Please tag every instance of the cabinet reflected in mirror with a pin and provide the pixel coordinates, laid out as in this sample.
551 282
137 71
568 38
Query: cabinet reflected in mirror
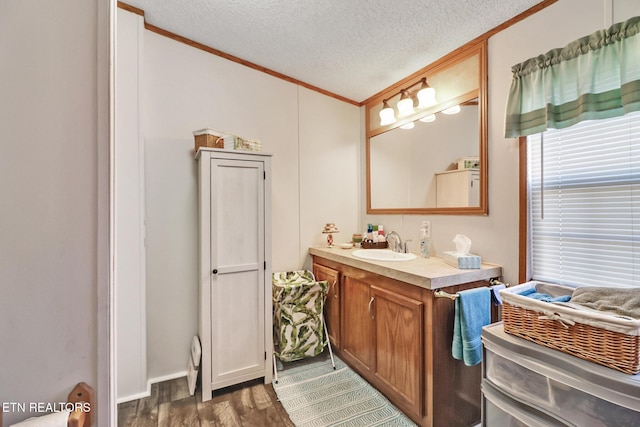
416 171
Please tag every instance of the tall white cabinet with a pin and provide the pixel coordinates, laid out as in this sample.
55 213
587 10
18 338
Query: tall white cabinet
235 319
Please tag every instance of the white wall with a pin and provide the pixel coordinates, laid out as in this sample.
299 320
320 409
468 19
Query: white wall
495 237
315 143
329 173
53 189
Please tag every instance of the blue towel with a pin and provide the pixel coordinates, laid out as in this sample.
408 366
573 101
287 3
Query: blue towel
495 294
473 311
532 293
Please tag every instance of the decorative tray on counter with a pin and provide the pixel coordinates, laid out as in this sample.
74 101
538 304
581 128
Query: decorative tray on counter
372 245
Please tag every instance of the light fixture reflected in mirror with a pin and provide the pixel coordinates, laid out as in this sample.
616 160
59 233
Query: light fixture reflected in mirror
451 110
409 125
428 118
387 115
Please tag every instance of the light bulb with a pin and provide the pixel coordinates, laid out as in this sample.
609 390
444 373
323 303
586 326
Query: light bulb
426 95
405 105
387 115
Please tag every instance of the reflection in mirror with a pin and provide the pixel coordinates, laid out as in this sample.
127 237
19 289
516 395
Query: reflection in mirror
406 163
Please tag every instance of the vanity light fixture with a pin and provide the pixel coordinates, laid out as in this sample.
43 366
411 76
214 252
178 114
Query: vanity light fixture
405 105
451 110
425 97
387 115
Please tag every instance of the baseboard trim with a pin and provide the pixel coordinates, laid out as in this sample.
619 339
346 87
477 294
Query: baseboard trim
135 396
165 378
151 381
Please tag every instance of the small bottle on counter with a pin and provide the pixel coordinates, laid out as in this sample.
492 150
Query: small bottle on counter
425 239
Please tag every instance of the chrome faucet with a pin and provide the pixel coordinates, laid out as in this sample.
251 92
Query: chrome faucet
395 242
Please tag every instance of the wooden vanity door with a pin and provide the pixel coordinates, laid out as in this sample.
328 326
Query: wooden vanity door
332 302
398 330
357 324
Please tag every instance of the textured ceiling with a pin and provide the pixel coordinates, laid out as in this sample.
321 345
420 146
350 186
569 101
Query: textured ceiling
352 48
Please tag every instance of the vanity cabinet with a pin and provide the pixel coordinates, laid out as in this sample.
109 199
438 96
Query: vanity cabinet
398 330
235 317
458 188
398 336
332 301
383 334
357 344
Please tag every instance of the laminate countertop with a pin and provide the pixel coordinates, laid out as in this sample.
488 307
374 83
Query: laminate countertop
430 273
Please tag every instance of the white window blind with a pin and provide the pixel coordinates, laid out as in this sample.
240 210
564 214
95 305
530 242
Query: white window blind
584 203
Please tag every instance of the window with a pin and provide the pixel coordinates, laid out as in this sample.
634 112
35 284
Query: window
584 203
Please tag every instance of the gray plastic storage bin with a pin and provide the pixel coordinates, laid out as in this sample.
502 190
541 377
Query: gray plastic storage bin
573 391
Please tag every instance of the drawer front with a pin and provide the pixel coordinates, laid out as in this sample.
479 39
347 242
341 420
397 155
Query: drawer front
499 410
517 381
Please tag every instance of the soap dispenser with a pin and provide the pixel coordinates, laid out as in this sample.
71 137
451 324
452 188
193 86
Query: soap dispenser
425 239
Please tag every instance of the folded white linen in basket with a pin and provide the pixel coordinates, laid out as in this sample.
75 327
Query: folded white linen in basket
620 301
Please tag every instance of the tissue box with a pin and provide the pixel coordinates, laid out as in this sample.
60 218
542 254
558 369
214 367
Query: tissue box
457 260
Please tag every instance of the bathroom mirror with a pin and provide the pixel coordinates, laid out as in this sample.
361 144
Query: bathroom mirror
439 166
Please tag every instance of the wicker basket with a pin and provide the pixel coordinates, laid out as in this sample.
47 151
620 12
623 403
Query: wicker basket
207 138
596 337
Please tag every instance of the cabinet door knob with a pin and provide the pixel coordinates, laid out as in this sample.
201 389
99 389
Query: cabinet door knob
215 271
370 312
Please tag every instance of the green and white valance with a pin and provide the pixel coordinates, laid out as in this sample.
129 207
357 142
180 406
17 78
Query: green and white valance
594 77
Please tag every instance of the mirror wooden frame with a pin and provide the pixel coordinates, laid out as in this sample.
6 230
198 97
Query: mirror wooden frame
440 66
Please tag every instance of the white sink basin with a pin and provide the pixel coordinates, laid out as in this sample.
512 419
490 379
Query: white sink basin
382 255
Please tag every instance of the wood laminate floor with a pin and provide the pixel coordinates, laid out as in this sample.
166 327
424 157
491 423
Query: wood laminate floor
250 404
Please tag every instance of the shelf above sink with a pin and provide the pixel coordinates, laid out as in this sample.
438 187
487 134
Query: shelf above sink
382 255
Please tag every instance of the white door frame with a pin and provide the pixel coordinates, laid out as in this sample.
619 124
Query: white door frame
106 410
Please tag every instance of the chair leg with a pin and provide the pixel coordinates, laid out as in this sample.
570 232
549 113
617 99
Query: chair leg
326 332
275 369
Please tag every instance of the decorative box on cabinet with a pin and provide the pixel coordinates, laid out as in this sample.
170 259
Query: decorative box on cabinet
458 188
235 319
